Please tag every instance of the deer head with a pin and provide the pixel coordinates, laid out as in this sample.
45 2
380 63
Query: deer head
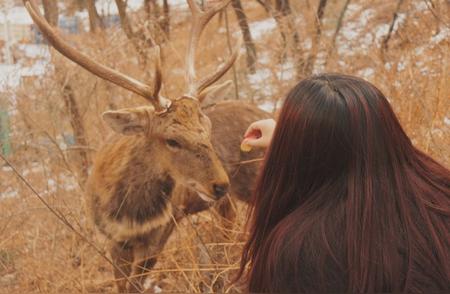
179 131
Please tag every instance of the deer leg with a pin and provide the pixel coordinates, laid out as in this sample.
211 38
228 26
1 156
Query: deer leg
122 256
145 254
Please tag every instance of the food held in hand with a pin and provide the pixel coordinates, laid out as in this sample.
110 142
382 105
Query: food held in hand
254 134
245 147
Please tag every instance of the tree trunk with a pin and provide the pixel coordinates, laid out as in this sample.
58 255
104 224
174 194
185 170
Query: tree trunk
286 21
95 21
264 5
124 21
249 45
384 46
282 13
152 8
165 23
316 38
154 13
138 43
51 14
336 31
283 6
51 11
79 132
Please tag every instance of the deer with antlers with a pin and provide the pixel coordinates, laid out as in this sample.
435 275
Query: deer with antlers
169 159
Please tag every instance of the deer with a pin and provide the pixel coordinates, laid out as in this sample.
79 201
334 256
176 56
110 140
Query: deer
166 160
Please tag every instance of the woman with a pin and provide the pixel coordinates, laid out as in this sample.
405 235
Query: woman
345 202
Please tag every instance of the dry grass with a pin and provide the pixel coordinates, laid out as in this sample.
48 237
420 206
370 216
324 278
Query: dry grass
39 254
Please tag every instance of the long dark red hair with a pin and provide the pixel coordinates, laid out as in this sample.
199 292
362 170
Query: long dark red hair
345 202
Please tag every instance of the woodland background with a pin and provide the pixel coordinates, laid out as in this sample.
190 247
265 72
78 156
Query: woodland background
50 112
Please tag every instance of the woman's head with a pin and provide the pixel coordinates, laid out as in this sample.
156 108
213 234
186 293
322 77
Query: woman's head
339 162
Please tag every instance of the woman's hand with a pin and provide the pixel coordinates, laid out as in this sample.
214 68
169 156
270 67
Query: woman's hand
258 134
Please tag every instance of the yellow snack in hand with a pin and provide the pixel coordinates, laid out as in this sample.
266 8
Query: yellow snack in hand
246 147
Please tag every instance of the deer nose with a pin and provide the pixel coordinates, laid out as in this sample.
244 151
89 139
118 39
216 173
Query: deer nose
220 190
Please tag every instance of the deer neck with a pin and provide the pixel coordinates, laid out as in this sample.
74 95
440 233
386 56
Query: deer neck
145 188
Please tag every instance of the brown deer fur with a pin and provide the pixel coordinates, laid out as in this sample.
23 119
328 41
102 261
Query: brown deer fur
140 185
163 165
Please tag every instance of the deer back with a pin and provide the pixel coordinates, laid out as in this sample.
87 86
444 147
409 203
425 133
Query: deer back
229 121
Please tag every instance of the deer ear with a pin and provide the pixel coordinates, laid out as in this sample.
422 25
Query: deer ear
218 92
126 121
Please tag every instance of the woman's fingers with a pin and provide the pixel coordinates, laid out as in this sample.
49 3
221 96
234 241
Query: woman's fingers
258 134
251 129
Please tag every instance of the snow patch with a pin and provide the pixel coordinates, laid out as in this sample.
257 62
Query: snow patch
286 71
260 28
16 15
109 7
7 168
264 58
11 74
35 50
447 121
366 73
268 106
420 5
9 193
260 76
444 34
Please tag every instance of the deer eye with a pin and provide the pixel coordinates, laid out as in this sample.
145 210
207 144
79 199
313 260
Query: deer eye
173 143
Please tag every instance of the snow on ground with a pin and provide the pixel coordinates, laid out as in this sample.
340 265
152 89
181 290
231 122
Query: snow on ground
286 71
447 121
420 5
9 193
352 30
6 168
109 7
11 74
17 15
260 81
264 58
444 34
259 28
268 106
366 73
35 50
61 182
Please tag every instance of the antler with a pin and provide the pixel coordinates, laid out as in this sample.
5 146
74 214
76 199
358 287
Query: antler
104 72
199 21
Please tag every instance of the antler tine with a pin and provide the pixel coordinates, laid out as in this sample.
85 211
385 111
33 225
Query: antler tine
100 70
200 20
157 84
221 70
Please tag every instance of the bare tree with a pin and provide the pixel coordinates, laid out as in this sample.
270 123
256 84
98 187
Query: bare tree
264 5
309 66
165 23
289 33
154 13
51 14
95 21
124 21
384 46
336 31
138 39
79 131
279 13
282 13
248 41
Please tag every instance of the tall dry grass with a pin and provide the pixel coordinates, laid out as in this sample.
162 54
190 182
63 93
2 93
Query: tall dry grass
40 254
